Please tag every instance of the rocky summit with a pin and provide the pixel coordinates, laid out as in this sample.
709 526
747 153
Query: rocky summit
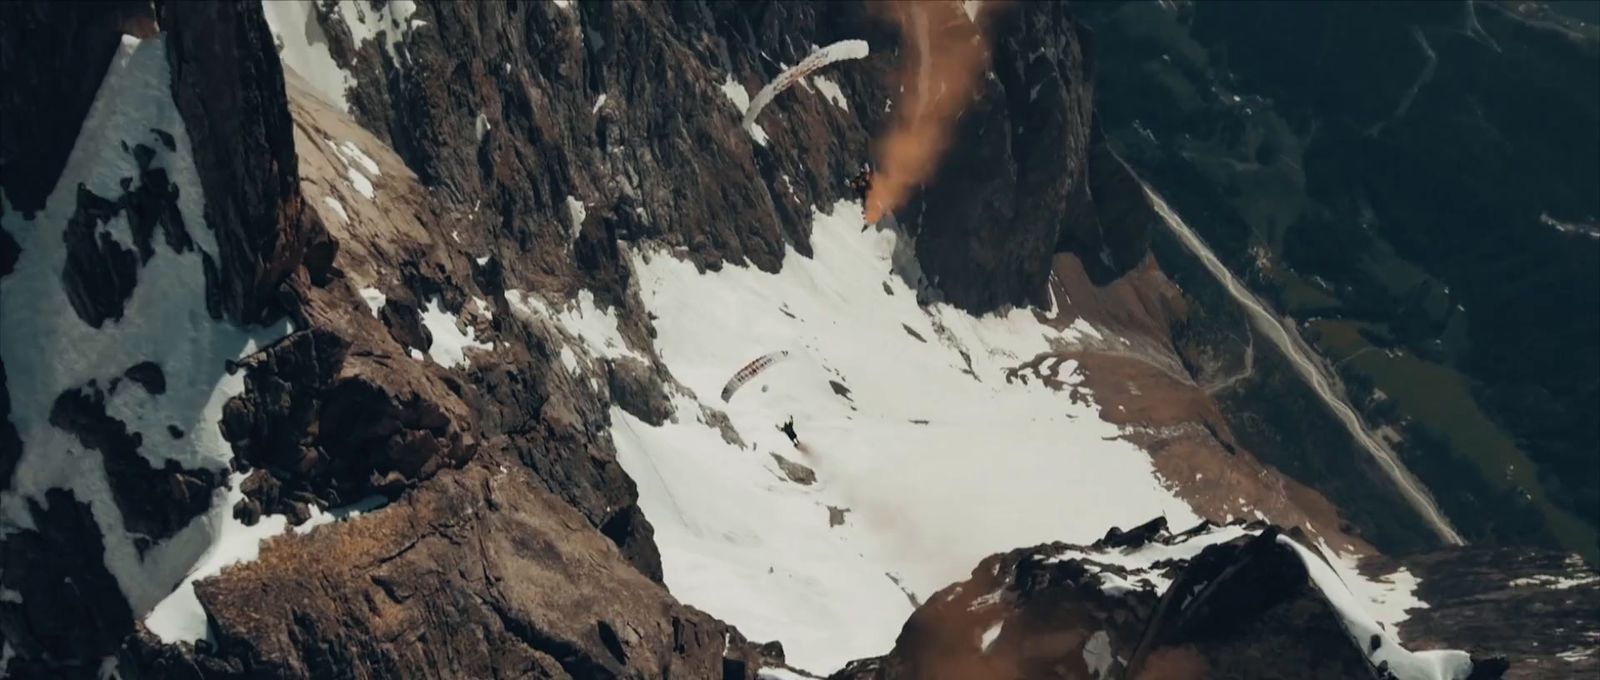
782 339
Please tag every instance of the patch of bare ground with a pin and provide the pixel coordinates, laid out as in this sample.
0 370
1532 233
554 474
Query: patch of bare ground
1135 376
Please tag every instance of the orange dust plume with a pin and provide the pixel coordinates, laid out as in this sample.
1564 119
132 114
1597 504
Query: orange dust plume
942 60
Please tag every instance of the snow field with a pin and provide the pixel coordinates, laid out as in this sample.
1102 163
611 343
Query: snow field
939 467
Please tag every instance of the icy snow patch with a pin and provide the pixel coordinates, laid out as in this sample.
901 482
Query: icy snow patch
481 126
303 48
1097 654
972 8
576 212
1140 560
337 208
741 100
1388 597
779 674
996 466
359 167
375 300
48 349
1406 665
831 92
598 102
594 327
389 22
989 635
450 343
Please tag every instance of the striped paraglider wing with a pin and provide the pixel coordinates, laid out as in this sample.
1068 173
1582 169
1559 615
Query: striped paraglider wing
750 371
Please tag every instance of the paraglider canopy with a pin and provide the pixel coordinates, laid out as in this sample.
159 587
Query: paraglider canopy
750 371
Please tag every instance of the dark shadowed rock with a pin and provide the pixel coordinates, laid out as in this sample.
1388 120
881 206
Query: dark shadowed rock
52 52
148 375
100 274
72 611
404 322
989 220
228 85
154 502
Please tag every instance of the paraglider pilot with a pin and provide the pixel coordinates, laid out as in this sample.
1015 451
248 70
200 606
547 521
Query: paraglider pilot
788 429
861 184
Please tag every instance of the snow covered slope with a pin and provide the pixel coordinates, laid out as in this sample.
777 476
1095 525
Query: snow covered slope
904 413
49 350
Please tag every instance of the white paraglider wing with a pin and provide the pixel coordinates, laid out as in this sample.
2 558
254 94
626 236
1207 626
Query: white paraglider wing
839 51
750 371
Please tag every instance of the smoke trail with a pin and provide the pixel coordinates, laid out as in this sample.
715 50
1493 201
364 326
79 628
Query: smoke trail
945 58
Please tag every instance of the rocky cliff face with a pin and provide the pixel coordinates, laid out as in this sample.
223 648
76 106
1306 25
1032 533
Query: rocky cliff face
1232 602
318 317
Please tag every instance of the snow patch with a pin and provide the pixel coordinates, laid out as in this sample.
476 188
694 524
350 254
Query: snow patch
595 328
740 98
481 126
48 349
1097 654
450 342
831 92
989 636
387 23
1406 665
1553 581
303 48
359 167
988 466
337 208
780 674
972 8
576 212
375 300
598 102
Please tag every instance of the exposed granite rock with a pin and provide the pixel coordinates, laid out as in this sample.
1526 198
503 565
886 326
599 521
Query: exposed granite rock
1244 608
481 574
227 83
990 219
796 472
340 426
1248 609
637 390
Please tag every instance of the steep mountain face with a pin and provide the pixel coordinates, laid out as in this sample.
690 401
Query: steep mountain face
371 339
1239 601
